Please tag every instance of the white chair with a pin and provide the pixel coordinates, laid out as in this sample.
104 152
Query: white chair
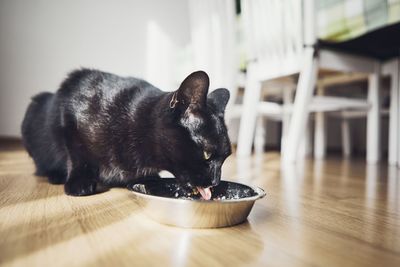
283 89
277 48
345 116
340 107
391 68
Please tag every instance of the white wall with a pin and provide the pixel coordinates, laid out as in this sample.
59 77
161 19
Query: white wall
42 40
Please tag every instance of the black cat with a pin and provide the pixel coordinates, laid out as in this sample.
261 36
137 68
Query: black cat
100 127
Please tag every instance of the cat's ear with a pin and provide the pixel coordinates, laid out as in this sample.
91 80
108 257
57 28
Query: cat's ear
219 98
193 90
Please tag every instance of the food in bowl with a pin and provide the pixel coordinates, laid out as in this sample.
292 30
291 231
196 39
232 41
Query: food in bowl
171 188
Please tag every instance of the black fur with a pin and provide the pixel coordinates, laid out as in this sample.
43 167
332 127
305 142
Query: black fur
99 127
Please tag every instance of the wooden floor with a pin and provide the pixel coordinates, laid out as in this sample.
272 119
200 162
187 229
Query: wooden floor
332 213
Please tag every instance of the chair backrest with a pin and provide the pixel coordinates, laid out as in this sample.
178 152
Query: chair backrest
273 31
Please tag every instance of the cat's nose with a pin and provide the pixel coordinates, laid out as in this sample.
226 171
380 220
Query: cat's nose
215 174
215 181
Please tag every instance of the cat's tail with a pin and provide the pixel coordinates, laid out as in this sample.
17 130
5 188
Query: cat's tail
41 97
33 128
35 112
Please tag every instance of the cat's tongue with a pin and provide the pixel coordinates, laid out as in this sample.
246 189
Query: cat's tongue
205 192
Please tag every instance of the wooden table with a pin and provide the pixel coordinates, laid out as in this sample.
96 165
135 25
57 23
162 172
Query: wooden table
332 213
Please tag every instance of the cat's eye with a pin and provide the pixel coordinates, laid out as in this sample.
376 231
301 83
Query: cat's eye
207 155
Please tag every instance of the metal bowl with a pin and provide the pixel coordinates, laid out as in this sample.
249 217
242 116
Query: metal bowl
159 201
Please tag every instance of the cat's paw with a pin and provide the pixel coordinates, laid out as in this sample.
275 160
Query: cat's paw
82 187
56 177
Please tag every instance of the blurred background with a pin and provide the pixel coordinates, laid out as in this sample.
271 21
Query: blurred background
253 46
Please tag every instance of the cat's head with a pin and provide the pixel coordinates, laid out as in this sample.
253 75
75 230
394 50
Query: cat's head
201 143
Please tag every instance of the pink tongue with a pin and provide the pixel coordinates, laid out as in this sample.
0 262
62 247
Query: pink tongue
205 192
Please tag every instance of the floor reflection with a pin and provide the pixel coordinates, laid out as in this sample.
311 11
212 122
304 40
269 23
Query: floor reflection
393 189
371 185
228 244
292 176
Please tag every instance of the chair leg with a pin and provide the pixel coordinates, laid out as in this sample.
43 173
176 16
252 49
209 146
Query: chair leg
394 116
251 99
373 118
346 138
320 131
259 139
305 143
287 100
397 77
320 136
300 113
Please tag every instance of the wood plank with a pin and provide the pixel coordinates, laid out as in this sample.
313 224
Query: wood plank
324 213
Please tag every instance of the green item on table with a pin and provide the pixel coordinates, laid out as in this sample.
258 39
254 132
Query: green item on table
342 20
